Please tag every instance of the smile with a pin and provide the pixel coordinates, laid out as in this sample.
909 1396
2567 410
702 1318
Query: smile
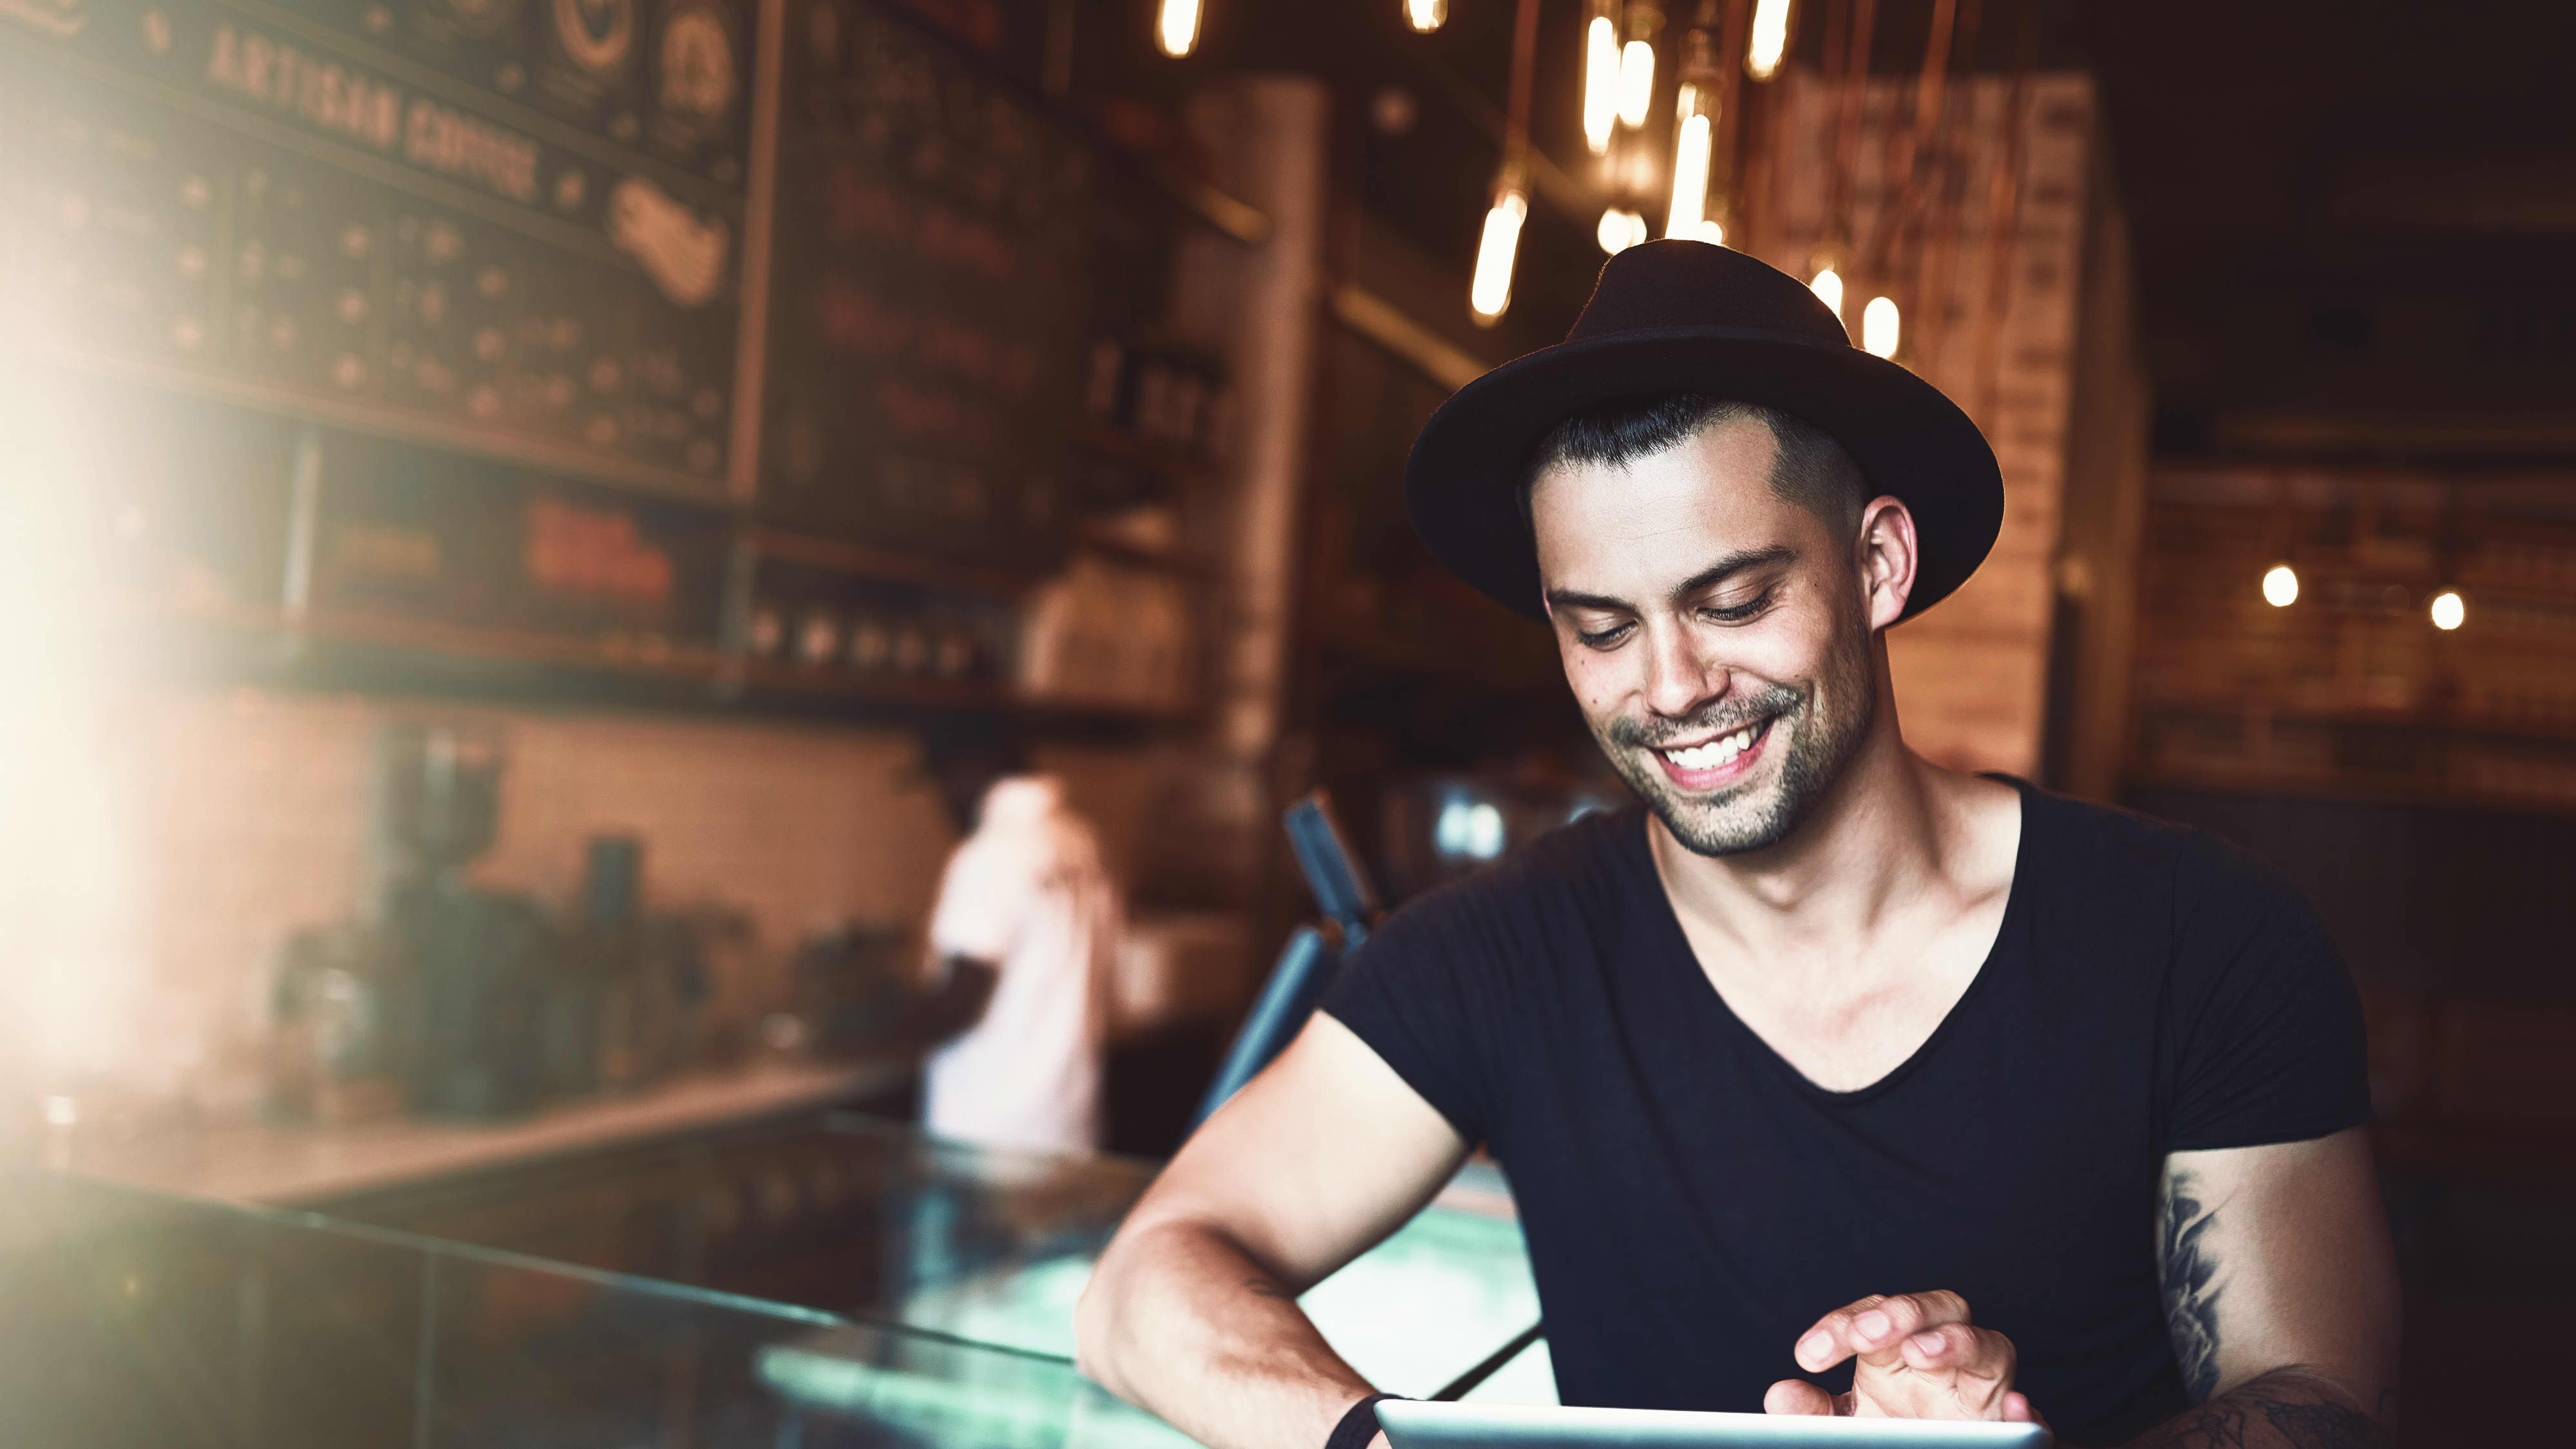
1707 764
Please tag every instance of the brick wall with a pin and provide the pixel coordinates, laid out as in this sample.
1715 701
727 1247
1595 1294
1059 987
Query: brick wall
1971 674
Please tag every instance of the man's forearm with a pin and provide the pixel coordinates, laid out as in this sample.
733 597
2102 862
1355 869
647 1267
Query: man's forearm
1182 1322
2286 1409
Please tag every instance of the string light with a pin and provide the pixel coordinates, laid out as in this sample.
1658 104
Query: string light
2281 586
1878 324
1636 83
2449 611
1600 77
1693 138
1426 16
1620 230
1491 291
1770 42
1176 27
1828 287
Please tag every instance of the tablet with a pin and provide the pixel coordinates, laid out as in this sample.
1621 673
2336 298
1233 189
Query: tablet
1413 1425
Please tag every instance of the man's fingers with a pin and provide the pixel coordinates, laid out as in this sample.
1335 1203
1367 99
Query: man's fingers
1876 1328
1979 1364
1797 1396
2017 1410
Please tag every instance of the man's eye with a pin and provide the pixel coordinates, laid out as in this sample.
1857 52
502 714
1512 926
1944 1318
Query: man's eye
1603 638
1738 613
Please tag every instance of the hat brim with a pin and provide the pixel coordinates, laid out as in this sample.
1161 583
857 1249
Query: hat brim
1462 482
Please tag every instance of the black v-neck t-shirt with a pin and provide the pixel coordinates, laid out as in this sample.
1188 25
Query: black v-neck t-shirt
1693 1203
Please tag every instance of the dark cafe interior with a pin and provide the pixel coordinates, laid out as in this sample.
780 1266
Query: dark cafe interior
984 724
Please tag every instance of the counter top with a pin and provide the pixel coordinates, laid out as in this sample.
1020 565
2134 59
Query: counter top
298 1165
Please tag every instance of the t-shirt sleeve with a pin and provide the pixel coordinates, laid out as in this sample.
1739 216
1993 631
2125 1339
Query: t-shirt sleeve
2264 1031
1406 994
982 900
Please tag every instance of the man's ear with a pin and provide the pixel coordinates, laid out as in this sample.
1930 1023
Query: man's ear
1886 554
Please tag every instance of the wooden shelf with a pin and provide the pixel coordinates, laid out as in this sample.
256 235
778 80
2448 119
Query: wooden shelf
891 565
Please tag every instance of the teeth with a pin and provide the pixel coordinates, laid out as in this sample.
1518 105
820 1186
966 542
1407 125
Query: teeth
1713 754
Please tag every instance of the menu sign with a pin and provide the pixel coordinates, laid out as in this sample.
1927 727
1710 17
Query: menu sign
928 294
507 226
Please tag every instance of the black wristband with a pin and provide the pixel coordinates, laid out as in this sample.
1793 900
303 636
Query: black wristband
1358 1425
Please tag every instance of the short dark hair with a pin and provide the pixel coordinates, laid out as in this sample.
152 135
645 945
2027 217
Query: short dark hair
1811 469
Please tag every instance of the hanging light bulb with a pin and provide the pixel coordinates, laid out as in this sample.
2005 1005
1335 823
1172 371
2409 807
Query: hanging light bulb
2281 586
1711 231
1491 291
1878 322
1694 135
1636 83
1770 42
1600 76
1176 27
1828 287
2450 611
1425 16
1620 230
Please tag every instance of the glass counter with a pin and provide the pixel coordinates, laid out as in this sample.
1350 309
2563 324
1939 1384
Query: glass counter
132 1318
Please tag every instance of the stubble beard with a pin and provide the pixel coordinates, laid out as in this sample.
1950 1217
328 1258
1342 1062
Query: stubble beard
1756 814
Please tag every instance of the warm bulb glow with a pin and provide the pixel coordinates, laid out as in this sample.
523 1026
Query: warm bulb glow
1620 230
1600 83
1491 291
1770 39
1828 287
1425 15
2449 611
2281 586
1176 27
1878 324
1690 177
1636 83
1710 232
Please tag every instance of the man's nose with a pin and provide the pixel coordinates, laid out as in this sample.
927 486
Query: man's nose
1678 679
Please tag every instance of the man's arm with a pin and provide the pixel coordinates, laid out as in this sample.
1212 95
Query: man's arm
1192 1312
956 1003
2280 1295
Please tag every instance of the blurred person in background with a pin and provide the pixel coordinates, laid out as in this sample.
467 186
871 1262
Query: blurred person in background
1022 940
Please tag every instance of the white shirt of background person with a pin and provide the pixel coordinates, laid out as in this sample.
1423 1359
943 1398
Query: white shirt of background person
1026 893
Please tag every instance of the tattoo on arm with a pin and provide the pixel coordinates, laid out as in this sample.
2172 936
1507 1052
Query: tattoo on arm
2275 1411
2190 1282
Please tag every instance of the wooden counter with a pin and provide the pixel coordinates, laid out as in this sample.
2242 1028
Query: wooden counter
299 1165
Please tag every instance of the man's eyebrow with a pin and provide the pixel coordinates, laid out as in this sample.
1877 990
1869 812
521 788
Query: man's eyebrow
1731 565
1716 573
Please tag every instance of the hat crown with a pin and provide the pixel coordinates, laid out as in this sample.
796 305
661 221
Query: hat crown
1672 283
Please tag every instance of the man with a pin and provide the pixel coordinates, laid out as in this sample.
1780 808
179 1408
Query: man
1022 940
1829 1081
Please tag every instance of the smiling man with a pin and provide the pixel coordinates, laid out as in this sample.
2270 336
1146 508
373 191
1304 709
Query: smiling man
1828 1081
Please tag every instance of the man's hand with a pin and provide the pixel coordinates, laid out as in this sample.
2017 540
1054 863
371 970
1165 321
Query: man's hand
1917 1357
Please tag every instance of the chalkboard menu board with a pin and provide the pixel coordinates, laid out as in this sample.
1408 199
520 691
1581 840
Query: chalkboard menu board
504 227
928 297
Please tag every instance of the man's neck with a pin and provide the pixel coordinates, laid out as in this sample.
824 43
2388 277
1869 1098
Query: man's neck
1891 837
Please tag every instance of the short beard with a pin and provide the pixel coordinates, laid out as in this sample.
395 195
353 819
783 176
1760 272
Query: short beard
1820 748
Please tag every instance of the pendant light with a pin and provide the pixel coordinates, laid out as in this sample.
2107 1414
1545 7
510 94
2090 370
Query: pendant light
1426 16
1489 291
1770 43
1600 75
1176 27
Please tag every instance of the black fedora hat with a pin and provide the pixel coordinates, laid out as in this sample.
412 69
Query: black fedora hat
1688 317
